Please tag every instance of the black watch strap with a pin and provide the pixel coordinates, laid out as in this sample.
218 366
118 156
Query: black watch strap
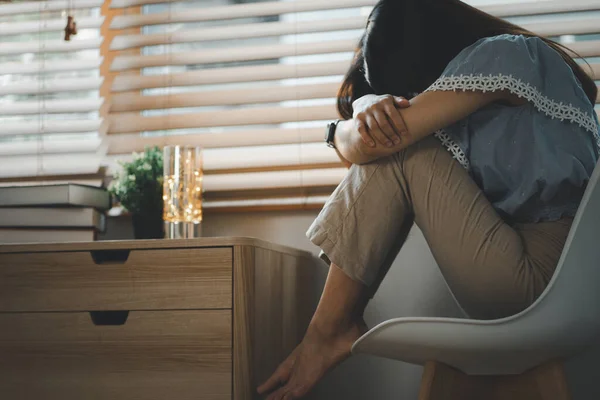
330 133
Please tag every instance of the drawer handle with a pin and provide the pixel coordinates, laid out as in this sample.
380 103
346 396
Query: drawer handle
110 256
107 318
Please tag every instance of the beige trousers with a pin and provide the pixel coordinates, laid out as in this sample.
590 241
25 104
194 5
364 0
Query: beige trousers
493 269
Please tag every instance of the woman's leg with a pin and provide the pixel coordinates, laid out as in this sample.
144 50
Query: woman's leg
337 322
492 268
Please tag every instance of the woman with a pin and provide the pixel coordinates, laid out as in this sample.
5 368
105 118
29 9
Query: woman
490 158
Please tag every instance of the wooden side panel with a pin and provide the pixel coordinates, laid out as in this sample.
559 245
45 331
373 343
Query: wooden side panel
154 355
138 280
281 294
302 287
243 322
268 318
291 316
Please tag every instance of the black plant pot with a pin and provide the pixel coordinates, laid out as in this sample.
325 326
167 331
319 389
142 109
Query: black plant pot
148 226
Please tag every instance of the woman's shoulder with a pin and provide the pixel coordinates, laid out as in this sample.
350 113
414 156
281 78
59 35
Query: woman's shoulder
506 41
524 59
516 49
528 68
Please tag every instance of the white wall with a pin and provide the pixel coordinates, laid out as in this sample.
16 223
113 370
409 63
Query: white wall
413 287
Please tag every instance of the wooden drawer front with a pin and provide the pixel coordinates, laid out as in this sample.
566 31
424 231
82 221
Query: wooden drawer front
154 355
117 280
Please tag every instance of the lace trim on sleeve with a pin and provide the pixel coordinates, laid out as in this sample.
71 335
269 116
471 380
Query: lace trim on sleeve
492 83
453 148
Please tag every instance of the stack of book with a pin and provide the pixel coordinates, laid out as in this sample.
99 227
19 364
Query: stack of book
62 212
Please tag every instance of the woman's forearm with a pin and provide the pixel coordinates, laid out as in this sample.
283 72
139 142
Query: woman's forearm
428 112
350 146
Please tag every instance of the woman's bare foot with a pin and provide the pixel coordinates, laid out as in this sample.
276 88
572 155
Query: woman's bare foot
320 351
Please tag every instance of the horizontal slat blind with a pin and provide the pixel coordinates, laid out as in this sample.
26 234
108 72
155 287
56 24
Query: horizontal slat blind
54 46
24 7
238 138
251 53
498 8
247 31
255 83
229 12
51 147
240 158
49 126
548 27
535 7
51 165
49 86
52 107
53 25
285 203
49 97
131 122
268 94
123 83
84 63
222 182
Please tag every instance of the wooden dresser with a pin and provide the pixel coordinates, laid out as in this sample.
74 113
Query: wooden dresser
154 319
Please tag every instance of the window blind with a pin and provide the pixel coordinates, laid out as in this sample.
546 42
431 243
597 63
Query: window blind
49 96
254 83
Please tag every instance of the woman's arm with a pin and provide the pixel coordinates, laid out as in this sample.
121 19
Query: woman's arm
428 112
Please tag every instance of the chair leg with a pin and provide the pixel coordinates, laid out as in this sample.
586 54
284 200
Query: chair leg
441 382
545 382
551 381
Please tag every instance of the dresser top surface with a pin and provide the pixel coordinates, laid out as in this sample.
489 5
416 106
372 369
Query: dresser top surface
206 242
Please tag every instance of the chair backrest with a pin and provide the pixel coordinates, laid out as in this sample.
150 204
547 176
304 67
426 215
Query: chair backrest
572 300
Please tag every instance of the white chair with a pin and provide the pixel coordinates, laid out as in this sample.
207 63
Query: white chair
518 357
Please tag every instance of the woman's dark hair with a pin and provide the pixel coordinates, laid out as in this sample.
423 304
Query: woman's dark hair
409 43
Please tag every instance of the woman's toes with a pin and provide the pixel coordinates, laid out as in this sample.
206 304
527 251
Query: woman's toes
298 392
279 394
289 396
281 375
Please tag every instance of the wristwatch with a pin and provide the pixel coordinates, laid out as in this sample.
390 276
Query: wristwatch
330 133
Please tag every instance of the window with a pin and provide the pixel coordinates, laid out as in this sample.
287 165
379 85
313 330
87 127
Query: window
252 81
49 95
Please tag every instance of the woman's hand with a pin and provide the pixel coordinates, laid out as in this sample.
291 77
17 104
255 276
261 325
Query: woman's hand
378 120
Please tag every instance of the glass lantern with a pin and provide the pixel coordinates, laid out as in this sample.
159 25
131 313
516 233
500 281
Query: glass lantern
182 191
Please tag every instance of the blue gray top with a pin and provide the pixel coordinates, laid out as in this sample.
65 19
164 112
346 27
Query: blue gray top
531 161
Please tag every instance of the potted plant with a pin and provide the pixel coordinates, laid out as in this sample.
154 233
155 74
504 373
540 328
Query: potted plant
139 189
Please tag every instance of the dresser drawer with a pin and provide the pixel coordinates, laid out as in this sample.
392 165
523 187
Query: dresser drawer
153 355
147 279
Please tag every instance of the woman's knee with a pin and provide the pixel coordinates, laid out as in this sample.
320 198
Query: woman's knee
385 172
426 153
